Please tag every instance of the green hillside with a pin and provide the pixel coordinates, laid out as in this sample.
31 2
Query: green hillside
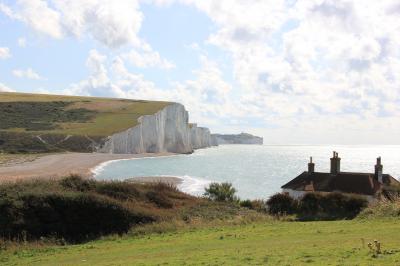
41 123
274 243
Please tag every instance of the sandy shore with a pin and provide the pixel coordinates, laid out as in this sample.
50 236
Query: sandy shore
60 165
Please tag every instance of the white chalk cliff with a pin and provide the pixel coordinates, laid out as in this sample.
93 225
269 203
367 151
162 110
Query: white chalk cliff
242 138
167 130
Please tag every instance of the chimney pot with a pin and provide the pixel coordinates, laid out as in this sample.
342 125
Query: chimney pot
311 166
379 170
335 163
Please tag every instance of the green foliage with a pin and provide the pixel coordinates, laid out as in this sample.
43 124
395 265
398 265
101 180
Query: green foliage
257 205
77 183
77 209
315 206
280 203
221 192
330 206
382 209
22 142
36 116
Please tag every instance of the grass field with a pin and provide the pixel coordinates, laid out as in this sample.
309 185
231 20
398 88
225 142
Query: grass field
271 243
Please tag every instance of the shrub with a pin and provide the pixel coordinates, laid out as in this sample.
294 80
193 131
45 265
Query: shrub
71 216
221 192
381 209
77 183
159 199
330 206
118 190
257 205
310 204
245 204
281 204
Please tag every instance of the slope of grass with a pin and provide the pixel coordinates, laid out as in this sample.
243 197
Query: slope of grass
48 123
272 243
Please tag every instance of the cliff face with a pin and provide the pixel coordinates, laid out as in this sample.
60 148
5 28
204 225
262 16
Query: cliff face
242 138
166 131
200 137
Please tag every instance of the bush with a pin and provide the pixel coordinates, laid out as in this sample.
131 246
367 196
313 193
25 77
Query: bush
118 190
330 206
309 204
73 217
159 199
281 204
257 205
76 209
382 209
221 192
77 183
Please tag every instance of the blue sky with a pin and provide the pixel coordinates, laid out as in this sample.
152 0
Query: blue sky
295 72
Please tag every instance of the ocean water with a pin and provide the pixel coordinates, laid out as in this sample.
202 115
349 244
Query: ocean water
256 171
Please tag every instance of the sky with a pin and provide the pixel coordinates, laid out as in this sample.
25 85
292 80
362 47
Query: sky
294 72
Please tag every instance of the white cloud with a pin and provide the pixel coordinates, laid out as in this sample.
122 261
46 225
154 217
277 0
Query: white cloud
113 23
98 82
147 58
5 53
21 42
29 73
4 88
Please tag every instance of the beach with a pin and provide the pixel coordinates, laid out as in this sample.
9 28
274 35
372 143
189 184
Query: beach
60 165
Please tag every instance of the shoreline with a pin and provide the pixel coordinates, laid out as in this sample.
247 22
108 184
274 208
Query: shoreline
64 164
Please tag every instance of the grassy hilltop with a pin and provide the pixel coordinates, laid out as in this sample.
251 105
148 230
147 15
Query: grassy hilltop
43 123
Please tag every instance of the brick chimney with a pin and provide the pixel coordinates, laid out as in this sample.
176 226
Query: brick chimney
378 170
311 166
335 163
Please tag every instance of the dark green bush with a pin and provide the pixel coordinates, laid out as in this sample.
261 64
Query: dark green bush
71 216
310 204
220 192
314 206
245 203
281 203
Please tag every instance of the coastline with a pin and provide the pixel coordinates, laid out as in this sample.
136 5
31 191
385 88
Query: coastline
60 165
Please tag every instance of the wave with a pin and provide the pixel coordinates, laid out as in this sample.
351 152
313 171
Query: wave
193 185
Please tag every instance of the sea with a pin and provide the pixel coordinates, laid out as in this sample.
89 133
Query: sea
256 171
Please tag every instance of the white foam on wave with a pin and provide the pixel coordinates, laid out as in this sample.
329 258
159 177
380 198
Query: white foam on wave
193 185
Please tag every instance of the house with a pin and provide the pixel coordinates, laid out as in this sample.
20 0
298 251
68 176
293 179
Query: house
371 185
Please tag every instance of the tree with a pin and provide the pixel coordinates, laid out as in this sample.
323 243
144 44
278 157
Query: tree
221 192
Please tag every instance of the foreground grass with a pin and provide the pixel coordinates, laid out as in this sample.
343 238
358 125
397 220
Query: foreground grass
274 243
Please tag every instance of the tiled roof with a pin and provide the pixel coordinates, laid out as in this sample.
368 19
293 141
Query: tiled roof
346 182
